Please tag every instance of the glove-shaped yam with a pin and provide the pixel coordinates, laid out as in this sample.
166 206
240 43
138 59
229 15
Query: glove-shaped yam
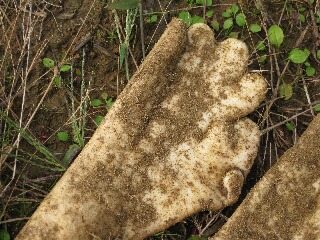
174 143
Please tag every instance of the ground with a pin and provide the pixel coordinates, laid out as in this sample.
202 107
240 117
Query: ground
40 99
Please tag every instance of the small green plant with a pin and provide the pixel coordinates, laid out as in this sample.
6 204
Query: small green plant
186 17
152 19
286 91
298 56
232 15
107 102
255 28
4 235
317 108
49 63
290 126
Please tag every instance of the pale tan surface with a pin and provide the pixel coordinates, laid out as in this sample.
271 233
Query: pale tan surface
173 144
285 203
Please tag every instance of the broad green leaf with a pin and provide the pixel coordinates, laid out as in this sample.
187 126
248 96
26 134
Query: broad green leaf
275 35
311 1
201 2
186 17
307 64
241 19
255 28
73 150
301 9
215 25
234 8
123 4
227 13
317 108
260 46
96 102
48 63
302 18
228 23
197 19
98 120
65 68
4 235
310 71
234 35
286 91
209 13
290 126
109 103
298 56
63 136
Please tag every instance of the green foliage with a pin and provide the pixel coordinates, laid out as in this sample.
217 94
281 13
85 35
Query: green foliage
63 136
215 25
197 19
209 13
65 68
318 54
255 28
98 120
262 59
260 46
298 56
227 13
123 4
228 23
4 235
310 71
201 2
58 81
73 150
234 35
48 63
152 19
286 91
186 17
317 108
241 19
290 126
234 8
96 102
275 35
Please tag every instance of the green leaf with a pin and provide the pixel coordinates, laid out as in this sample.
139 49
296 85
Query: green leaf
262 59
123 4
317 108
98 120
260 46
48 63
307 64
298 56
123 53
318 54
96 103
227 13
63 136
255 28
275 35
104 96
215 25
286 91
310 71
302 18
234 8
73 150
290 126
65 68
234 35
241 19
311 1
197 19
186 17
153 18
109 103
4 235
201 2
228 23
58 81
209 13
301 9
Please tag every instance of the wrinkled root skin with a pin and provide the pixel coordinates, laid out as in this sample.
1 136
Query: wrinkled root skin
285 203
174 143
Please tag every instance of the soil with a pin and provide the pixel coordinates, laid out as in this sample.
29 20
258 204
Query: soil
83 29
